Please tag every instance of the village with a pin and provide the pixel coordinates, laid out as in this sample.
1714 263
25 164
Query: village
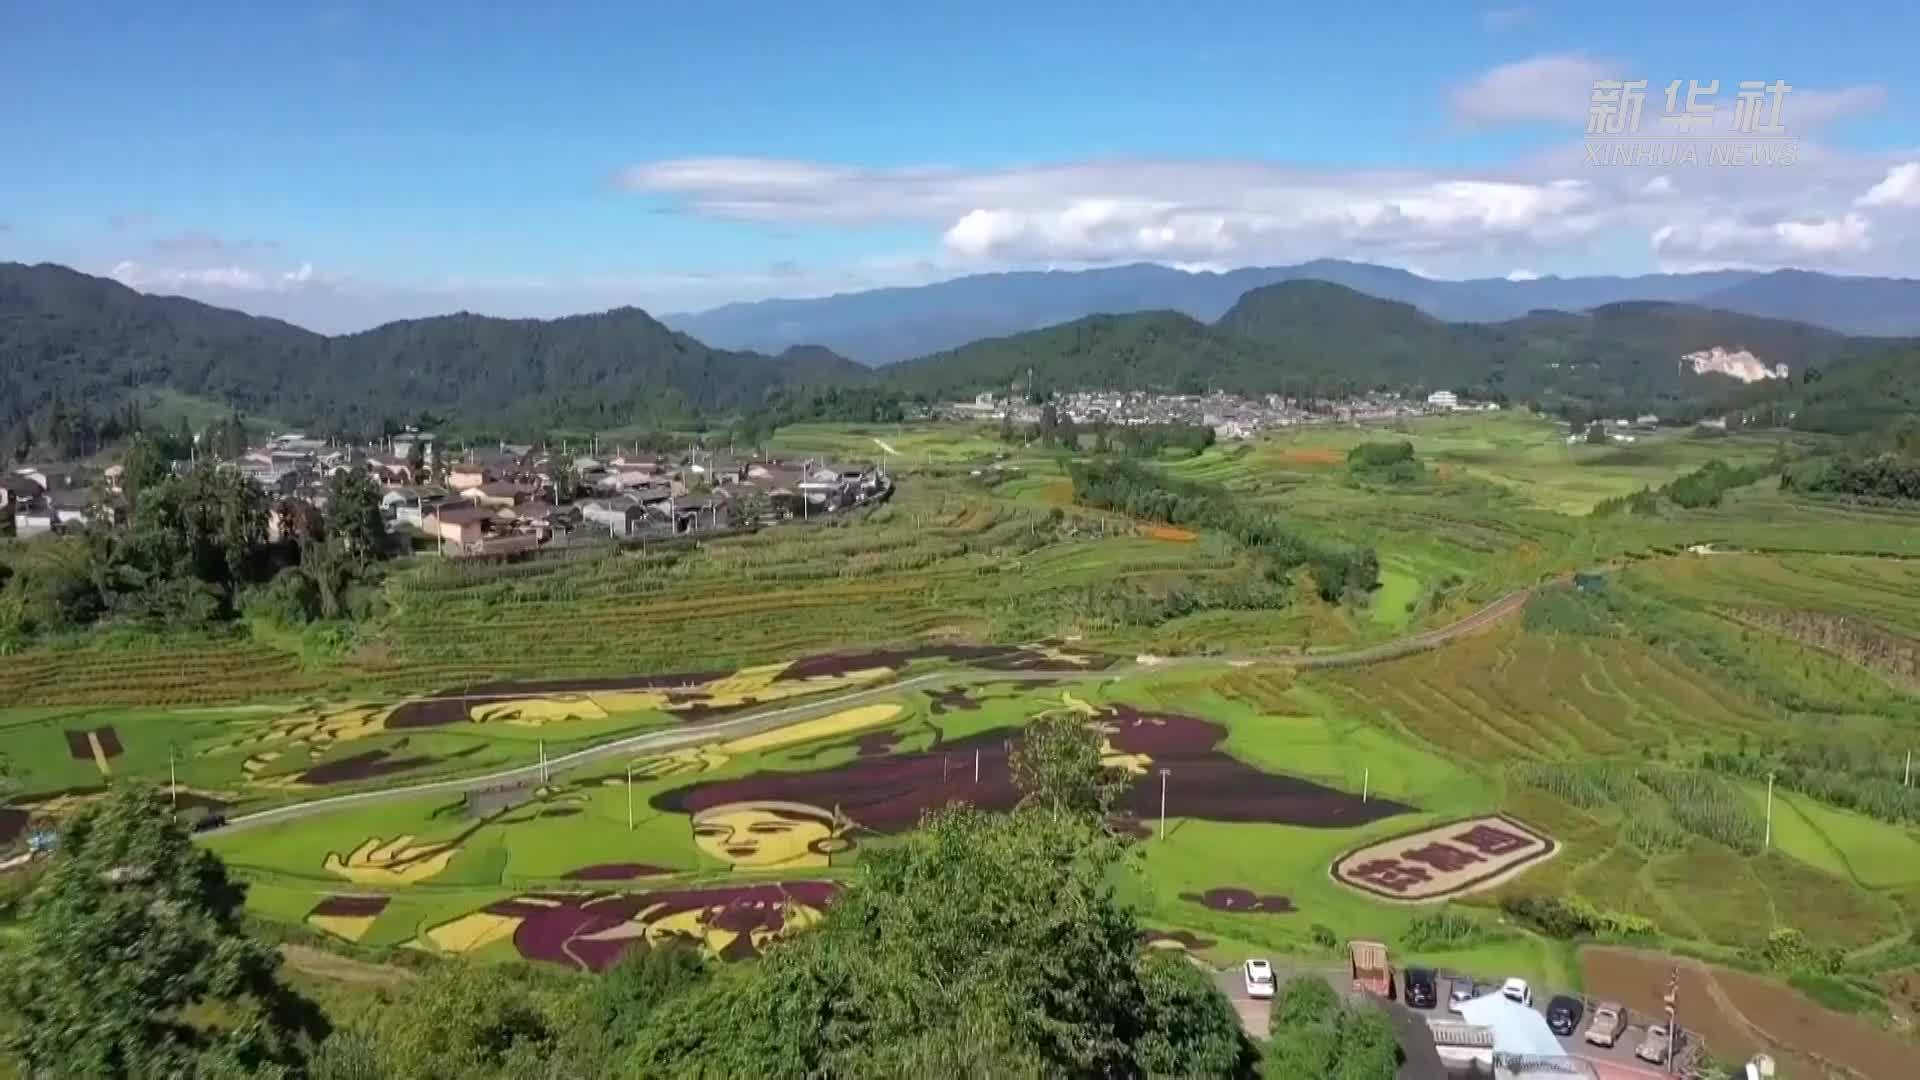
1231 416
503 500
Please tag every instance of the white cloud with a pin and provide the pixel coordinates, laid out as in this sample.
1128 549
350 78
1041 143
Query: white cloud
1522 275
1555 87
1506 18
1901 188
1659 185
1196 212
1811 241
147 277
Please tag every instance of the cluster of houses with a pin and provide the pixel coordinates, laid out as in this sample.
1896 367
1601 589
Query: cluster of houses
1231 416
46 498
506 499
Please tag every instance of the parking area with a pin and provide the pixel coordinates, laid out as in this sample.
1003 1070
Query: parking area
1422 1061
1617 1061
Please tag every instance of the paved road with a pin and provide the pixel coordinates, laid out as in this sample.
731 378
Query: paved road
767 719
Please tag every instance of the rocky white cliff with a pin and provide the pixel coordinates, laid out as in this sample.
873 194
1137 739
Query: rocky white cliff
1742 365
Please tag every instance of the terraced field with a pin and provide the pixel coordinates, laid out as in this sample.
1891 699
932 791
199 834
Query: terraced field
1276 771
157 673
1884 591
1510 695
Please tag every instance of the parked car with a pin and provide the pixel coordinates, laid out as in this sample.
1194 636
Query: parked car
1517 990
1655 1046
1259 976
1460 990
1563 1014
209 822
1422 989
1609 1021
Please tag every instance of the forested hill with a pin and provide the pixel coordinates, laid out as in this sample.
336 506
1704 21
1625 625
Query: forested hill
1877 391
89 340
1317 336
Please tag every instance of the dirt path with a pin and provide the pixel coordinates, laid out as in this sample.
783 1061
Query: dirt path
751 723
1739 1012
325 965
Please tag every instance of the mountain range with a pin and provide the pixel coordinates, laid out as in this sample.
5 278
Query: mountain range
882 326
1318 337
87 343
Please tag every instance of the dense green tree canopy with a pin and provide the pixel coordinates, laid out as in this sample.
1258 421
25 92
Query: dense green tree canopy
136 963
981 945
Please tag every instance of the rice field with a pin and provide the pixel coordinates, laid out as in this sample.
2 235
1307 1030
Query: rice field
1511 695
1424 739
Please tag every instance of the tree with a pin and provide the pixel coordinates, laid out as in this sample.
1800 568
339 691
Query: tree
1313 1034
353 513
980 945
605 1014
1059 763
1191 1028
467 1021
141 467
136 963
561 478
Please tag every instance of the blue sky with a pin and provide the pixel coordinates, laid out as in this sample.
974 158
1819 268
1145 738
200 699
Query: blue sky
343 165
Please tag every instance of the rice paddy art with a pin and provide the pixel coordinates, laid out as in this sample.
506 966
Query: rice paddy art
1241 901
1445 860
346 917
590 931
98 745
779 819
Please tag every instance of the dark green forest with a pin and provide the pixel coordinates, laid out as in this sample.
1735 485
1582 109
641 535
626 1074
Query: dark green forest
77 345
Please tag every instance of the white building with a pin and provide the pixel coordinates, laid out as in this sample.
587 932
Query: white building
1444 399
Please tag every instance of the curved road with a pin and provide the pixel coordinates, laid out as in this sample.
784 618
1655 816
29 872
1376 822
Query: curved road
768 719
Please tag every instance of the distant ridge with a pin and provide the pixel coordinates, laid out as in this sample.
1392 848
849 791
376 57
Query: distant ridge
881 326
1316 337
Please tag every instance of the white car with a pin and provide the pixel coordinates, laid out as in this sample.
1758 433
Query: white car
1259 976
1517 990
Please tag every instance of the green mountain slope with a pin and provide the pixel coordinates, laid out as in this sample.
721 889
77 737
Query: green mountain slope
90 341
1317 337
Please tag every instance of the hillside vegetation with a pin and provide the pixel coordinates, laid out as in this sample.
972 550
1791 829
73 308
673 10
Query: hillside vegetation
65 336
1310 338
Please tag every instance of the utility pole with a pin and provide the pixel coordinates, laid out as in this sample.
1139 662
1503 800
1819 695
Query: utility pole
1163 802
173 783
976 766
629 798
1366 783
543 763
1907 780
1769 838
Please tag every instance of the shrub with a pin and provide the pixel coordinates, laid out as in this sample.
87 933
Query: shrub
1572 917
1442 929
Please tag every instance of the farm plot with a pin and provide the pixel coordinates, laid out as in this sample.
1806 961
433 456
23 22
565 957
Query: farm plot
257 756
1511 694
938 564
560 876
1740 1013
156 673
1882 591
